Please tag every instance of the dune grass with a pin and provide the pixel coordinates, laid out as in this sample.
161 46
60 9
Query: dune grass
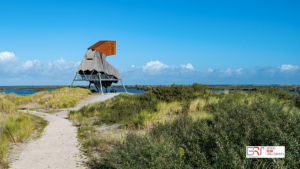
209 129
17 126
215 137
29 98
6 106
61 98
65 97
18 99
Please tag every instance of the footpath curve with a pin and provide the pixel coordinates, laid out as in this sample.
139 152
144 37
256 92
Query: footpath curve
58 146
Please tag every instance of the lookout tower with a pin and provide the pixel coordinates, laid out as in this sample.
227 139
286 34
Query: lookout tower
95 69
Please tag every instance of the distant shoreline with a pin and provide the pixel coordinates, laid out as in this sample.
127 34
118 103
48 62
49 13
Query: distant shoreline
147 87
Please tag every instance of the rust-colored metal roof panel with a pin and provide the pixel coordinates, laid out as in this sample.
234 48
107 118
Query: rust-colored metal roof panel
107 47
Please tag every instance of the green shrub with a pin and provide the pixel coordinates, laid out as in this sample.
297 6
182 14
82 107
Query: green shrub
216 142
172 99
208 129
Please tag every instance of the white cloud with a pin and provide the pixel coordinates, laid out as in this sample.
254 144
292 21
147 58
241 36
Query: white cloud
239 71
188 66
185 74
28 64
6 56
286 67
154 66
34 71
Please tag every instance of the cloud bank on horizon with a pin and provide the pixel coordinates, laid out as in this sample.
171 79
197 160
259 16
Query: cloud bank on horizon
59 72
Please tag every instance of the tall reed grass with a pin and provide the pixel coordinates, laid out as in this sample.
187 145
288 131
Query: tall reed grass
17 126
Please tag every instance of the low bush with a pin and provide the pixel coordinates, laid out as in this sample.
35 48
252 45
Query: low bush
216 142
125 108
207 129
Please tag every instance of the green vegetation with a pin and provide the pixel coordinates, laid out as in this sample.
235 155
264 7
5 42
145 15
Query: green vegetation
16 126
219 87
191 127
61 98
31 87
127 109
6 106
65 97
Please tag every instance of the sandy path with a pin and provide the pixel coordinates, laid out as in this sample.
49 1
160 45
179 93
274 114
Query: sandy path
58 146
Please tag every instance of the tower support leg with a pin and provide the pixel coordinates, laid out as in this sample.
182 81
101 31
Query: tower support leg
123 86
97 86
100 83
90 85
73 80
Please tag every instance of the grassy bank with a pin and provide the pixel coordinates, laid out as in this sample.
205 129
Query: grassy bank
61 98
14 127
191 127
18 126
31 87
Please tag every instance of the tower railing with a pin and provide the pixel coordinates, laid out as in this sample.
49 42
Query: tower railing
94 77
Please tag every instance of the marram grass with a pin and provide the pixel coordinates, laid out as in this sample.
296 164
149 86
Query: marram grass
211 130
6 106
65 97
61 98
17 126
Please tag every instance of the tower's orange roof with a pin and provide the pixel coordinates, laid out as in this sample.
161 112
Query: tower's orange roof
108 47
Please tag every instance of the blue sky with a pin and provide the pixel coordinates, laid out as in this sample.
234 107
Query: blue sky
158 42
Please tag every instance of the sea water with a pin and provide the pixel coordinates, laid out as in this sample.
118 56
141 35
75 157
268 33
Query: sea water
32 91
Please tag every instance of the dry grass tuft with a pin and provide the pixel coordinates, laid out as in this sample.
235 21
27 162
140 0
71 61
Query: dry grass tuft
6 106
197 104
146 119
201 115
65 97
17 126
169 108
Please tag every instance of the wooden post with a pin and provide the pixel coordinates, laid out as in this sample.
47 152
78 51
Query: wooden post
123 86
90 85
73 80
100 83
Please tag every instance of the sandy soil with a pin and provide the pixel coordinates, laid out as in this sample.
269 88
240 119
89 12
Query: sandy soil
34 105
58 146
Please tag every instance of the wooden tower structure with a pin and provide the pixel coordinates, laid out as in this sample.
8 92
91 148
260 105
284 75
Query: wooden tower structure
95 69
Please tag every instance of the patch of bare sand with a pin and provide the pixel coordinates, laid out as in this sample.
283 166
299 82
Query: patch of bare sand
58 146
35 104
